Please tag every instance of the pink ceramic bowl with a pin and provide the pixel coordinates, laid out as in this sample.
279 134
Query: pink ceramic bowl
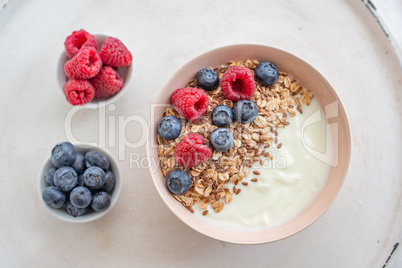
310 78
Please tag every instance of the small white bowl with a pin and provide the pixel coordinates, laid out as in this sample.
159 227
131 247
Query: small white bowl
61 213
125 72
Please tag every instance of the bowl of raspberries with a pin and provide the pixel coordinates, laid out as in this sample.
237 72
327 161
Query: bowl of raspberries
79 183
94 68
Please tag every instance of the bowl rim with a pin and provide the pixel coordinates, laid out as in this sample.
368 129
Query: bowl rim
126 72
95 215
228 238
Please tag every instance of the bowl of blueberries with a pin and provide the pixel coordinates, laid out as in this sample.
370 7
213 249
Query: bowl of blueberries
79 183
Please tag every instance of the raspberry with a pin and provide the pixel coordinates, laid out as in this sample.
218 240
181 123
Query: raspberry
190 102
84 65
78 91
237 83
114 53
191 151
77 40
107 82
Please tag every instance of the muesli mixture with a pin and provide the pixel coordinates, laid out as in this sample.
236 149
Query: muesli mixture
210 179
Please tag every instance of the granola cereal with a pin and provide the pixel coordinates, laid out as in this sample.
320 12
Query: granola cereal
210 179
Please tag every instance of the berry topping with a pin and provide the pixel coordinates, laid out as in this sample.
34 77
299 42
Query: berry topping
245 111
207 79
74 211
54 197
169 127
190 102
178 181
65 178
114 53
80 197
221 139
94 177
77 40
237 83
94 158
78 91
191 151
101 201
63 154
107 82
84 65
222 116
266 73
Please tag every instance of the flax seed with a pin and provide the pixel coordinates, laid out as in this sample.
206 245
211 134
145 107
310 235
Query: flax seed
299 109
256 172
244 183
254 180
205 212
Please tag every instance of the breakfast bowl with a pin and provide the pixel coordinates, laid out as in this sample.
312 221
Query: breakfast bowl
125 72
336 125
112 189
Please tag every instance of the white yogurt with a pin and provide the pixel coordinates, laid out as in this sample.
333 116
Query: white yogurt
287 184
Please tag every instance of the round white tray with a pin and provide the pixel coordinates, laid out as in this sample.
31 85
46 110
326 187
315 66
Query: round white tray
341 39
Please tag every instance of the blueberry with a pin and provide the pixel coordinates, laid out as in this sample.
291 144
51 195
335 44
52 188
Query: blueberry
222 116
178 181
49 176
207 79
94 177
100 201
245 111
74 211
109 182
80 181
221 139
65 178
80 197
266 73
54 197
62 154
93 158
169 127
79 163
